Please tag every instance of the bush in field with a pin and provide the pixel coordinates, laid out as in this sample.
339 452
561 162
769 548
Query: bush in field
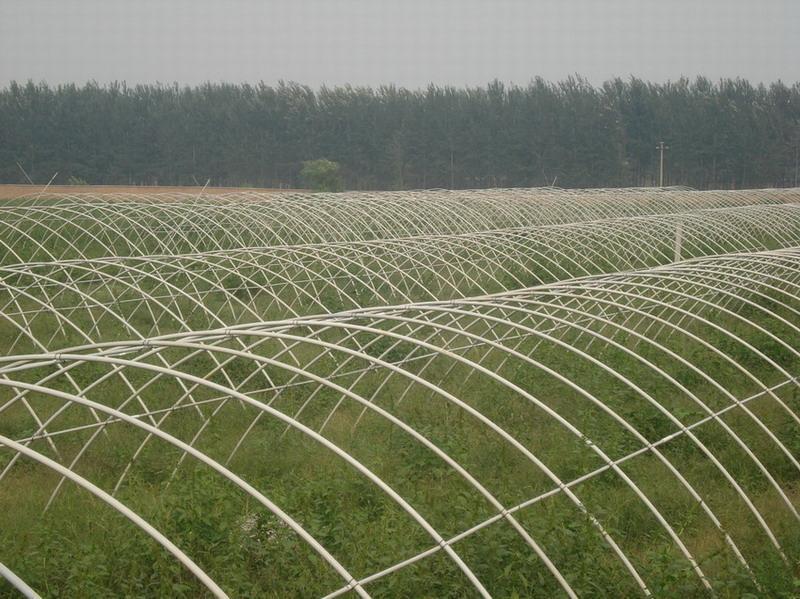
322 175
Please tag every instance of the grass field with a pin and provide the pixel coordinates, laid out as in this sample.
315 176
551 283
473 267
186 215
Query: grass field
611 435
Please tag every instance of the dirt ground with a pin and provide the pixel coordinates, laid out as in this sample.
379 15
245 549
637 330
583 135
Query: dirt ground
12 191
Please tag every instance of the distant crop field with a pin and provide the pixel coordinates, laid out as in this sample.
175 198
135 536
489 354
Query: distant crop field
508 393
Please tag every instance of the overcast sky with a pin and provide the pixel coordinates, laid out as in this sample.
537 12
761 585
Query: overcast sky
406 42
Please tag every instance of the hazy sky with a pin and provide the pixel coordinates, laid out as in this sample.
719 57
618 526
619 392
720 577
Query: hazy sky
407 42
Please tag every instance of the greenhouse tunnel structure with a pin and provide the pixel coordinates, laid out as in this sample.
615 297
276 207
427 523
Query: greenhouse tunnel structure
513 403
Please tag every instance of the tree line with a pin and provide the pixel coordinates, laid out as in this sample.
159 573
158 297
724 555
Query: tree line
725 134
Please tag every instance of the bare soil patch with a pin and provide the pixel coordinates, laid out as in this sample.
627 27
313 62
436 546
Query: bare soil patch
8 192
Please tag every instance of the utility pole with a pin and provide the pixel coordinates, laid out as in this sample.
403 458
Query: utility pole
661 147
452 170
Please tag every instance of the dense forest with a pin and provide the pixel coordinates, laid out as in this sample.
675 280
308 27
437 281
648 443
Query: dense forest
728 134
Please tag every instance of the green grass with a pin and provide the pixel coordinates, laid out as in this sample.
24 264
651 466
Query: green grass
80 548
